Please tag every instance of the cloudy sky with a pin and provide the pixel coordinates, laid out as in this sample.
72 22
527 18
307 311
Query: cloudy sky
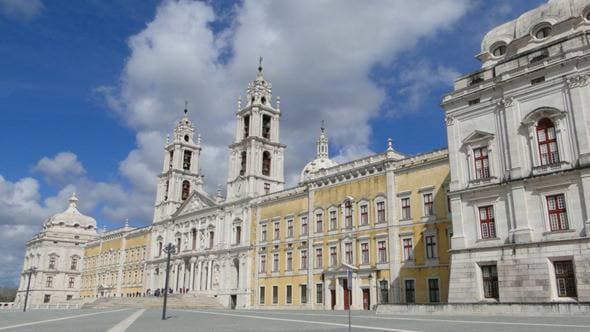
89 91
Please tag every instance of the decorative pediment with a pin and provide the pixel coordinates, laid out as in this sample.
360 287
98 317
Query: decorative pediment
540 113
195 202
478 136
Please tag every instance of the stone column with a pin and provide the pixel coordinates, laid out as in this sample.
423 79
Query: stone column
198 276
210 275
175 277
191 285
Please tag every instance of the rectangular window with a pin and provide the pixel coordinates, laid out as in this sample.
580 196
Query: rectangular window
46 298
365 253
277 231
318 258
348 252
364 215
303 293
69 297
380 212
74 264
304 228
49 282
71 281
318 222
433 291
408 249
557 212
428 204
547 140
333 256
410 290
262 263
333 220
303 259
266 126
238 235
406 215
384 291
289 261
319 293
267 185
275 294
430 246
565 279
275 263
348 214
263 233
486 220
262 294
246 126
289 297
482 164
52 262
290 228
489 274
382 248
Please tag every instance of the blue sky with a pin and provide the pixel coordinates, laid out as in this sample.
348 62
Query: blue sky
73 81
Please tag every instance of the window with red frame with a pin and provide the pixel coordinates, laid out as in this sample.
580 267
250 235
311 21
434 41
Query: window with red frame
364 214
348 252
408 249
303 259
382 250
365 253
333 220
482 165
380 212
557 212
406 208
486 220
319 223
348 214
548 151
428 204
318 258
333 256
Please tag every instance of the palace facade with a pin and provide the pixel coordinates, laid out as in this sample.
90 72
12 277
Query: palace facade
519 152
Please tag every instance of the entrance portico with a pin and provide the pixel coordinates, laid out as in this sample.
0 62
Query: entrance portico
360 295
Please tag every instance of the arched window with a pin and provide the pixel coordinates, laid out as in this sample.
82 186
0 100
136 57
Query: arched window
266 163
238 234
348 214
243 161
186 189
52 262
246 126
548 150
266 126
178 243
159 248
211 239
166 190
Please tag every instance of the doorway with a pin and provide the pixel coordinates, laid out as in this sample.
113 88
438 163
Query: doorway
366 299
347 294
233 301
333 298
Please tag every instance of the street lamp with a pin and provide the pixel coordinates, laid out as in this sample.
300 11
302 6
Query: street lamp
169 250
30 272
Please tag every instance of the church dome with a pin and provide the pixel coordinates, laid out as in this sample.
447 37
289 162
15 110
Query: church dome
316 166
322 160
71 217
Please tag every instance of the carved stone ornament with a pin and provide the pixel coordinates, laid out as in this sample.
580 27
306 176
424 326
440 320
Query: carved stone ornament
577 81
449 120
505 101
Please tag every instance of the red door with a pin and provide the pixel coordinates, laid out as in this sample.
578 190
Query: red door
333 297
347 297
366 299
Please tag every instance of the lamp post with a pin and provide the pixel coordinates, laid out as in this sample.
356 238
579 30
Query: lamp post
169 250
30 272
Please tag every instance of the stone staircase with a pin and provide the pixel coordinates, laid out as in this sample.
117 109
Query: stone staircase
175 301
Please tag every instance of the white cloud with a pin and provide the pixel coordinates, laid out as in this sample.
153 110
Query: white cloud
317 55
61 168
21 9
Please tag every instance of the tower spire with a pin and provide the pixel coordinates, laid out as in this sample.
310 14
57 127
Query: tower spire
322 143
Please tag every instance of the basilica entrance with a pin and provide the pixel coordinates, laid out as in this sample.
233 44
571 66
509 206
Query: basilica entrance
366 299
347 294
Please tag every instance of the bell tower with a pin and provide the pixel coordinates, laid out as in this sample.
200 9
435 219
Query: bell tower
256 156
180 173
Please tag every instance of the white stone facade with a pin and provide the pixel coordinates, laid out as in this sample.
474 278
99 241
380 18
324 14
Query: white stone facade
519 150
57 255
212 234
